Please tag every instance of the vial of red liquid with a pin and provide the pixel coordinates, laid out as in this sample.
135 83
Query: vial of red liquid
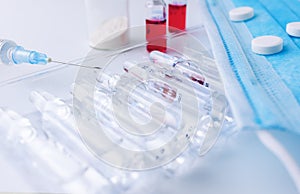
177 15
156 25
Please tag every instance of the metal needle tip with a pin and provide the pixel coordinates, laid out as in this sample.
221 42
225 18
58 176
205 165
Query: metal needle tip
73 64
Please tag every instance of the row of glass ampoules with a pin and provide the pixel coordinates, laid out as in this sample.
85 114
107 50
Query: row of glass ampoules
161 78
56 152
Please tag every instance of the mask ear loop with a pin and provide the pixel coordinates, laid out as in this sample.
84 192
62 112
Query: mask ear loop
282 154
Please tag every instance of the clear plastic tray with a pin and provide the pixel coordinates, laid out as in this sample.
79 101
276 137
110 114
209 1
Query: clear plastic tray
55 119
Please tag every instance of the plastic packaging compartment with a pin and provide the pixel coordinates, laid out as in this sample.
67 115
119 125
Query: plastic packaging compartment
15 96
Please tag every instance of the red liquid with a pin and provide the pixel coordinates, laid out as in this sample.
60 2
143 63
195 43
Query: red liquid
198 79
155 35
177 17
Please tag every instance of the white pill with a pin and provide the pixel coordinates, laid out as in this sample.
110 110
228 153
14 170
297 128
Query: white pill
267 45
241 14
293 29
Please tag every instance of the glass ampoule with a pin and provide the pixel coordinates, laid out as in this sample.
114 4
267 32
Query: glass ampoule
147 71
17 136
60 125
45 153
140 99
147 75
54 110
186 67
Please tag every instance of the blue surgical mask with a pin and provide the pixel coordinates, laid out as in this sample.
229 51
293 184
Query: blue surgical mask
263 91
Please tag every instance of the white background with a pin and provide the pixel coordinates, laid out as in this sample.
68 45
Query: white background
59 28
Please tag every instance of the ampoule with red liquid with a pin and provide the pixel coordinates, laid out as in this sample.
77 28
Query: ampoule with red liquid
156 25
177 15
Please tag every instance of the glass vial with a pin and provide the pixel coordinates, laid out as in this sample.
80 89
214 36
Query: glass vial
177 15
156 25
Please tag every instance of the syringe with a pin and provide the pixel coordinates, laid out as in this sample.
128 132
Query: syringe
13 54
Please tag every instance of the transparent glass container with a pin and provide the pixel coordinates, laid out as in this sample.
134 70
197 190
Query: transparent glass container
108 23
156 25
177 15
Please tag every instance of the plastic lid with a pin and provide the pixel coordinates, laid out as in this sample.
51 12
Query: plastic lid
293 29
267 45
241 14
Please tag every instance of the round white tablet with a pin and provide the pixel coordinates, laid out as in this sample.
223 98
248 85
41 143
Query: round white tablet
241 14
293 29
267 45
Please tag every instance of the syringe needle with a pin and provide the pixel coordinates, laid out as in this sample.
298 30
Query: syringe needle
73 64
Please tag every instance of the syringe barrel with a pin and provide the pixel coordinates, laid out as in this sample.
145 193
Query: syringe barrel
6 49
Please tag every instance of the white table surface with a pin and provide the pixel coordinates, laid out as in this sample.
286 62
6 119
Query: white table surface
59 28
